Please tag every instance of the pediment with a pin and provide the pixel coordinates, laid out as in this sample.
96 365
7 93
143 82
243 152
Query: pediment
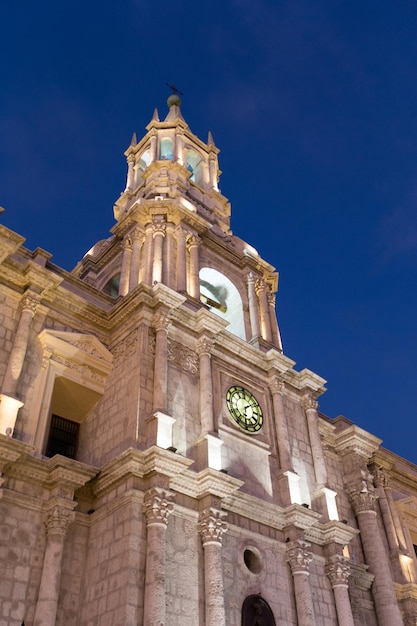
77 347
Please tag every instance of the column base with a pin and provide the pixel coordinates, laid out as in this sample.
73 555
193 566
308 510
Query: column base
159 430
208 452
289 487
9 408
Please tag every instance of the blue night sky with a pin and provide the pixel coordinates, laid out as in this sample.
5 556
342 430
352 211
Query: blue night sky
314 108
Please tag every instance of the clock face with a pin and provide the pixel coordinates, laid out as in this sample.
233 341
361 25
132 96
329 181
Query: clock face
245 409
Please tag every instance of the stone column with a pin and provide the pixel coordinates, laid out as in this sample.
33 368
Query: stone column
157 506
396 518
338 571
57 521
154 146
204 346
194 287
125 271
130 172
161 322
253 307
168 275
363 499
159 229
213 171
9 404
181 235
211 527
178 148
310 405
146 273
262 287
276 337
28 307
299 557
137 237
276 386
381 480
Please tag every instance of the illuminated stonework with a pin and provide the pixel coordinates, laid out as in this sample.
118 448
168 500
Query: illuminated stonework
196 481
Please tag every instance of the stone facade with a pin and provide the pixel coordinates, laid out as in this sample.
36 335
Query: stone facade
132 492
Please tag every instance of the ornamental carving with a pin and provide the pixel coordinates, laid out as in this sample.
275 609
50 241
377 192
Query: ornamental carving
212 525
204 345
299 556
126 244
161 320
362 496
30 303
159 228
277 385
381 477
125 348
271 298
193 241
182 356
309 402
84 370
261 285
157 506
136 234
338 570
86 346
57 520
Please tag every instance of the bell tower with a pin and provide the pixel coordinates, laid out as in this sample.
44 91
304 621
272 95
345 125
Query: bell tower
173 228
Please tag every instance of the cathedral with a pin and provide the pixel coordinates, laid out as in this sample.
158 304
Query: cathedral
163 462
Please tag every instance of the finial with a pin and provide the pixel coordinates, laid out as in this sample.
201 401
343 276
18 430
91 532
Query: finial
133 141
210 140
174 99
155 116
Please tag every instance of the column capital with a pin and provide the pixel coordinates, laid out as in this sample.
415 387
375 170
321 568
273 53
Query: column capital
212 525
261 285
299 556
271 297
362 496
381 477
157 506
204 345
57 520
135 234
338 570
277 385
250 278
29 303
193 241
159 228
126 244
161 320
181 232
308 402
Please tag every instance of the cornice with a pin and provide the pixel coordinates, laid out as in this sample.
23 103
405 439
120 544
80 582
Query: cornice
139 463
355 439
331 532
361 577
12 449
10 242
208 481
405 591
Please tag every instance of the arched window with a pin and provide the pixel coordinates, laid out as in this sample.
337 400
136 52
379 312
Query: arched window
144 160
257 612
111 288
166 149
194 165
222 298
